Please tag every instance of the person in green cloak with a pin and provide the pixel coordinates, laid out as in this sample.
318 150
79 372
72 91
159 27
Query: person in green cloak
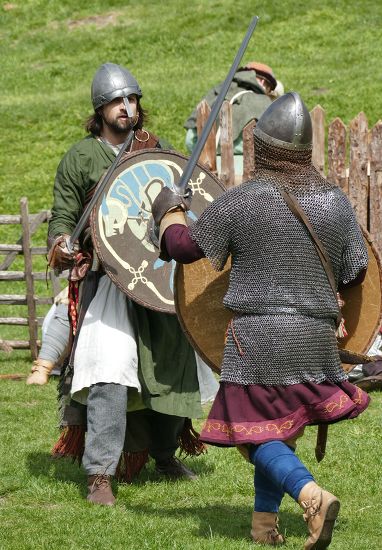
125 357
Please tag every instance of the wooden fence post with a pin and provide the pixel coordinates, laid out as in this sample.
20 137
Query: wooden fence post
32 320
337 154
318 122
36 221
358 178
376 184
248 150
29 225
227 174
208 155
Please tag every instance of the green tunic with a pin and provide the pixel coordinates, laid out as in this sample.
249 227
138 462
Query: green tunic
167 367
250 102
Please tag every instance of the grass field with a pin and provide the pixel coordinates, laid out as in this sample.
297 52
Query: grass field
42 501
329 51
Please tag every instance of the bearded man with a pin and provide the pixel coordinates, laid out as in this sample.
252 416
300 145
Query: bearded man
281 369
121 349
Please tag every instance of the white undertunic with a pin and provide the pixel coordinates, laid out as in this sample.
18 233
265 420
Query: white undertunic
106 348
208 384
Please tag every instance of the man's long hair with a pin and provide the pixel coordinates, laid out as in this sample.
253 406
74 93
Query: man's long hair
93 124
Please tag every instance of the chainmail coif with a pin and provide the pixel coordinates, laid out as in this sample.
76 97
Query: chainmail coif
290 169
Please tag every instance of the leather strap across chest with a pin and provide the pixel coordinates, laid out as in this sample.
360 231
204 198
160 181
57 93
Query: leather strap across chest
296 209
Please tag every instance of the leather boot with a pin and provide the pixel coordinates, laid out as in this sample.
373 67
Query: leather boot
173 468
320 512
265 528
40 372
99 490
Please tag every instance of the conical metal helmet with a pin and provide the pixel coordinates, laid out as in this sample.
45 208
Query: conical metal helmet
111 81
286 123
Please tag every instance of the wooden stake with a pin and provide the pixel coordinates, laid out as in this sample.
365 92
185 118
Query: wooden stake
248 150
376 184
32 321
227 174
208 154
358 179
318 122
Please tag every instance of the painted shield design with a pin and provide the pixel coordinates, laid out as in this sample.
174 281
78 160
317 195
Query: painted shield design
121 222
199 293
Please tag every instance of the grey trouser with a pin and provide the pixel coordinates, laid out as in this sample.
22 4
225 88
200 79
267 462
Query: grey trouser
106 426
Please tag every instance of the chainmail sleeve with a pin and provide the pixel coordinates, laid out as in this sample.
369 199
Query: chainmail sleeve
212 231
354 255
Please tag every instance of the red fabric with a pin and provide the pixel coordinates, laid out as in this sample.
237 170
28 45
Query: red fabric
257 414
82 264
77 274
73 293
180 246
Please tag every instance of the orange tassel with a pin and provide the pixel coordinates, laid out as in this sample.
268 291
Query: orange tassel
130 465
190 444
70 444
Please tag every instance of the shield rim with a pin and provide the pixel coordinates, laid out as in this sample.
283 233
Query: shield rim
93 223
378 259
195 346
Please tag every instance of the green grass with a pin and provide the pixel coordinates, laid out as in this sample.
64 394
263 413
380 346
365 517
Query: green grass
42 500
326 50
329 51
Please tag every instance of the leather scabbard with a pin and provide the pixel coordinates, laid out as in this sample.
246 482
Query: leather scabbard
322 437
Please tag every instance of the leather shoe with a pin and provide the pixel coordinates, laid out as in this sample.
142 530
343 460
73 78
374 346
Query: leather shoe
173 468
265 529
99 490
40 372
320 512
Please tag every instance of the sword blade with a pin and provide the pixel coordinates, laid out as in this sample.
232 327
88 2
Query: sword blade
187 173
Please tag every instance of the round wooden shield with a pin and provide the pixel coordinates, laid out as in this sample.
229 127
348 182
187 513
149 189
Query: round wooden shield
199 293
121 223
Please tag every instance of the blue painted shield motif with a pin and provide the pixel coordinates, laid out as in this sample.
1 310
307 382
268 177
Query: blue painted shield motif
121 218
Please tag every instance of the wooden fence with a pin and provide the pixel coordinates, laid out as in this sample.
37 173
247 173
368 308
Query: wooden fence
349 156
9 252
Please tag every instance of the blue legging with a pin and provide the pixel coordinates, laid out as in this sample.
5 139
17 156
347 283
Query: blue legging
277 471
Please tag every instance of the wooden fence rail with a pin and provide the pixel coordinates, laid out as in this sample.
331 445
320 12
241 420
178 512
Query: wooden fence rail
349 156
29 225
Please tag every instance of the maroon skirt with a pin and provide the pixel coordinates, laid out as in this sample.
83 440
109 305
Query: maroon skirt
257 414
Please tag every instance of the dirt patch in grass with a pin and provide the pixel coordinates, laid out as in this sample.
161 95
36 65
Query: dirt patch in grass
25 404
8 6
99 21
16 377
320 91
